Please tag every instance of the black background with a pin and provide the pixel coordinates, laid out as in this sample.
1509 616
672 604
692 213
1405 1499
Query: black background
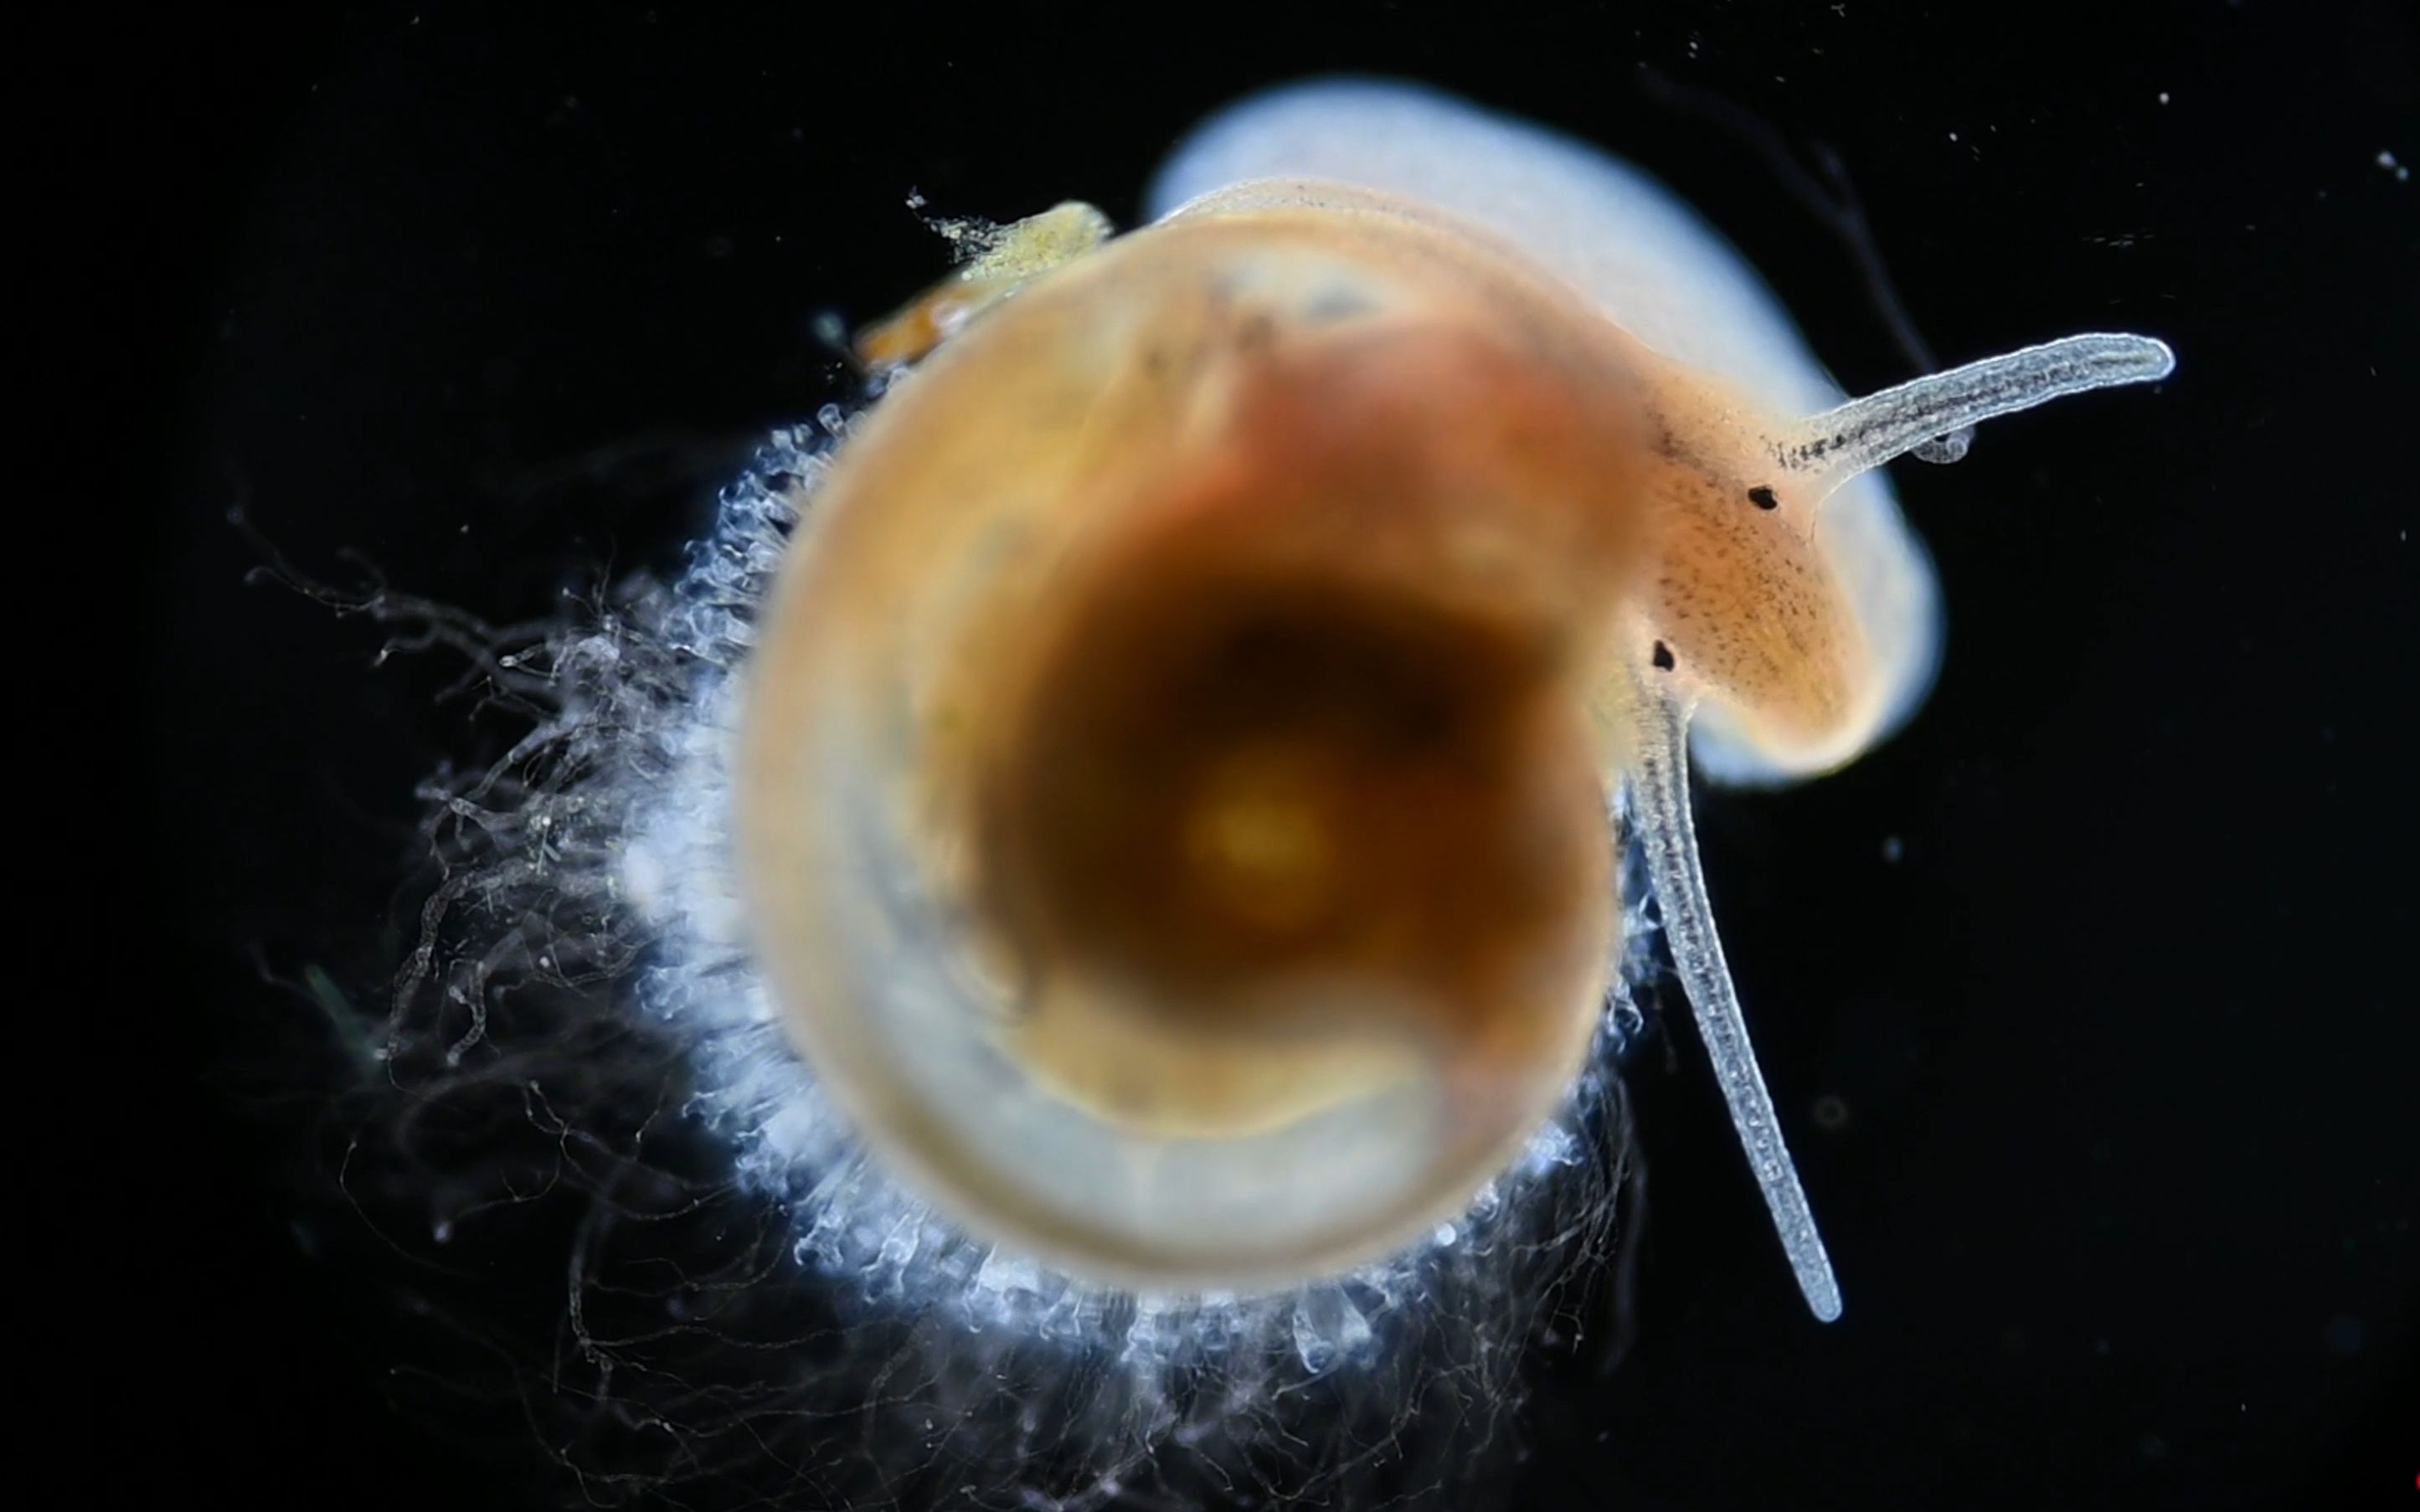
2125 1199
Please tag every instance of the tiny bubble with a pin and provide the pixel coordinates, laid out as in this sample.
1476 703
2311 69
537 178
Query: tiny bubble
2343 1334
1893 848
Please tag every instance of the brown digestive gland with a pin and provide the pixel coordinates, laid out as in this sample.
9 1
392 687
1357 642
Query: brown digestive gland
1299 755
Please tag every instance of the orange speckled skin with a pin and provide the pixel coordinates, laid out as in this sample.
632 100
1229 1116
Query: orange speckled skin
1321 488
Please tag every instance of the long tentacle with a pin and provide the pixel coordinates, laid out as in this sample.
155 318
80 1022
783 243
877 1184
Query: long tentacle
1868 432
1661 787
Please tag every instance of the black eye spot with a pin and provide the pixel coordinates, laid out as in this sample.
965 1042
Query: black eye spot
1762 497
1664 662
